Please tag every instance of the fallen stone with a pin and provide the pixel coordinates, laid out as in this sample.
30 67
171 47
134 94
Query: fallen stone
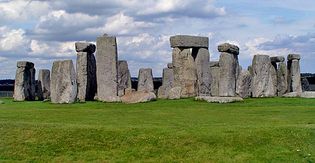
85 47
243 84
228 48
138 97
124 77
293 57
227 82
145 80
24 86
43 84
277 59
306 94
185 41
203 72
220 100
63 84
174 93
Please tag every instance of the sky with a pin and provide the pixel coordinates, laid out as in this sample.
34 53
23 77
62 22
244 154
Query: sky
42 31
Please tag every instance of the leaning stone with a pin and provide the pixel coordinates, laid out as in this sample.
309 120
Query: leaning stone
44 84
145 80
85 47
170 65
215 79
294 57
167 83
185 41
264 82
86 76
174 93
228 48
203 72
243 84
124 77
220 100
277 59
294 75
24 86
228 73
63 84
138 97
106 67
282 74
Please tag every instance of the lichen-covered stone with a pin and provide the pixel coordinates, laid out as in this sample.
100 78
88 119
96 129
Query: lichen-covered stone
243 84
228 65
203 72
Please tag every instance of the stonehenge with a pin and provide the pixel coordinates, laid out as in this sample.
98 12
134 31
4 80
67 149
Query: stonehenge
24 87
191 74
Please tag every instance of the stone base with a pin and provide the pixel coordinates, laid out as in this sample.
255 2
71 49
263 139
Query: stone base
307 94
220 100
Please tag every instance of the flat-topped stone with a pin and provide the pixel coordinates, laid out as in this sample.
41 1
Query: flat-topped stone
85 47
228 48
214 64
189 41
294 57
220 100
277 59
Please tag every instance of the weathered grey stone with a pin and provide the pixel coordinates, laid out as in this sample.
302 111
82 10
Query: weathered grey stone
43 84
305 84
203 72
145 80
294 74
214 63
277 59
124 77
264 82
107 69
170 65
185 41
306 94
228 73
174 93
86 76
185 75
243 84
167 83
228 48
294 57
138 97
282 74
24 87
63 84
85 47
220 100
215 79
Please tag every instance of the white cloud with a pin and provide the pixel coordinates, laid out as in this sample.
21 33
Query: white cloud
12 39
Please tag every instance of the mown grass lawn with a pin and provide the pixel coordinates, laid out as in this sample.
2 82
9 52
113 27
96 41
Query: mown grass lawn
267 130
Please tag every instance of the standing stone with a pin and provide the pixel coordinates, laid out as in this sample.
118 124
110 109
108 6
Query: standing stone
145 80
86 76
215 78
294 74
203 72
185 71
305 84
43 84
282 74
107 69
63 84
167 83
263 83
24 86
124 78
243 84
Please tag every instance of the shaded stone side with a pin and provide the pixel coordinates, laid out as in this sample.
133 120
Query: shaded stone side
145 80
43 84
63 84
215 78
203 72
228 65
24 86
167 83
124 77
282 79
243 84
106 66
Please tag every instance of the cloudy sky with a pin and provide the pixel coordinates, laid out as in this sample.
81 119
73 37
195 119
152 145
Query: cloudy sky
42 31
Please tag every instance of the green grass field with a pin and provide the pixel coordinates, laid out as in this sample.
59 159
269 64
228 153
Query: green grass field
256 130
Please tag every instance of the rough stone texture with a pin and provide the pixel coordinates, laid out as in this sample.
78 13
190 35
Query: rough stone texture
215 78
218 99
294 57
243 84
185 75
305 84
185 41
167 83
63 84
227 83
203 72
86 76
277 59
294 76
145 80
24 87
138 97
282 79
43 84
124 77
263 81
107 69
85 47
174 93
214 63
307 94
228 48
170 65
